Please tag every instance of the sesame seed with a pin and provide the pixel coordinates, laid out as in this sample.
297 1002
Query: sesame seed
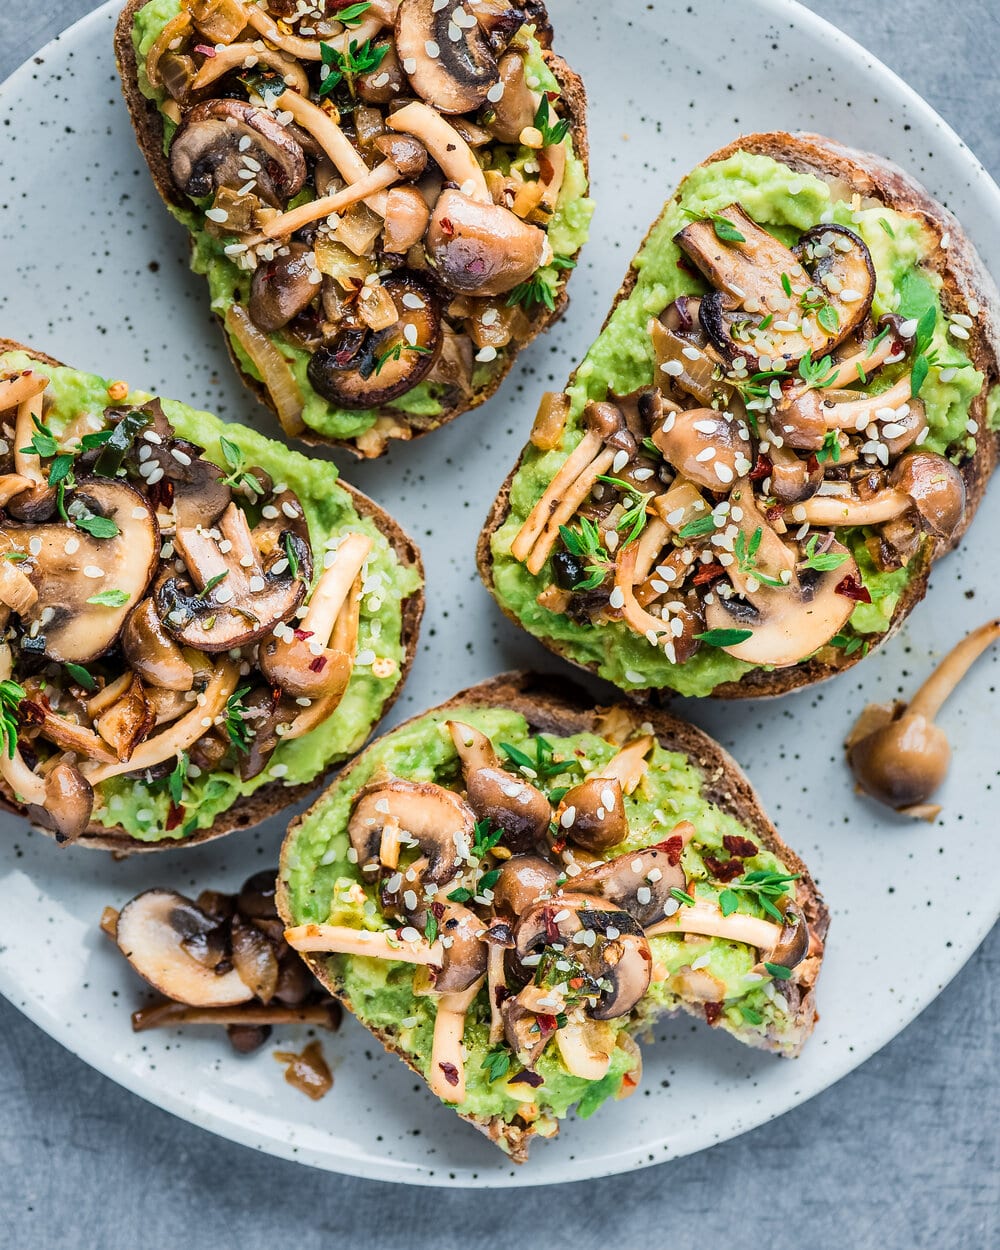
410 300
256 583
644 894
957 331
91 570
409 64
217 214
35 545
723 472
495 93
673 367
960 319
432 49
269 512
617 598
946 241
180 456
908 328
410 333
567 818
365 658
619 462
706 454
486 354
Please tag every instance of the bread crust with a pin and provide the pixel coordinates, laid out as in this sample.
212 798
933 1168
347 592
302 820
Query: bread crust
558 707
148 126
964 277
272 798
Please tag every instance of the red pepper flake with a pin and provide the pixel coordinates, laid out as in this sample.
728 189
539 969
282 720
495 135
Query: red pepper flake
559 845
736 844
672 848
437 910
812 464
317 663
712 1012
775 513
302 634
205 49
576 983
526 1078
684 267
761 469
853 588
546 1023
174 817
161 494
450 1072
708 573
551 928
723 869
501 993
446 226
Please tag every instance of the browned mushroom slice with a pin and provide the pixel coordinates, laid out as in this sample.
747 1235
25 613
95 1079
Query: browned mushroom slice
465 950
435 818
522 880
127 721
592 815
708 447
207 152
239 593
480 248
446 54
508 802
515 110
151 930
683 358
792 479
152 653
365 369
282 288
87 585
640 882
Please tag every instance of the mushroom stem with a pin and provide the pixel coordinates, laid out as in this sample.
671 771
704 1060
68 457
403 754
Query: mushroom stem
567 506
496 979
15 390
447 1069
378 179
648 548
931 696
234 55
27 464
643 622
849 510
454 156
336 939
848 415
310 49
334 586
709 921
348 161
629 766
574 464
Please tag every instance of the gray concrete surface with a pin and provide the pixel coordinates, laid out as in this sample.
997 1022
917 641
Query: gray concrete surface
901 1155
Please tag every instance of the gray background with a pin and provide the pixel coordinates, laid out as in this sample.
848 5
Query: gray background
903 1153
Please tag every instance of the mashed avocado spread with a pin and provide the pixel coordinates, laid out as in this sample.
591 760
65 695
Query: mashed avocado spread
324 886
141 809
621 360
229 284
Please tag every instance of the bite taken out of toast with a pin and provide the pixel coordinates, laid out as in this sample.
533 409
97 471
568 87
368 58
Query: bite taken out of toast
789 415
387 201
199 624
510 888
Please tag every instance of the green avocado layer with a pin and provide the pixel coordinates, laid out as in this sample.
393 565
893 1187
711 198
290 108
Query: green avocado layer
324 886
140 808
621 361
229 284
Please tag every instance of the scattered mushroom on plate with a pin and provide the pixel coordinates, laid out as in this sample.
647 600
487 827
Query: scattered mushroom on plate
897 753
178 616
387 197
221 960
507 888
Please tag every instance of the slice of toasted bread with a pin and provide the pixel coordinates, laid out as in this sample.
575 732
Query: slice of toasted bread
965 285
273 797
562 709
148 125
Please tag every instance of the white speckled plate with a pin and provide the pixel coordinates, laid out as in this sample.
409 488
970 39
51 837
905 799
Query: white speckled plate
95 272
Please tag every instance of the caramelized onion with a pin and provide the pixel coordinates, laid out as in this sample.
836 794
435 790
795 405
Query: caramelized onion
273 368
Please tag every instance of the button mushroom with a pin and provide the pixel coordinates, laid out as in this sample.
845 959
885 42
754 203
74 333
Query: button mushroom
522 881
592 814
480 248
61 801
708 447
281 288
898 755
507 802
208 151
438 820
464 949
446 54
365 369
639 883
152 653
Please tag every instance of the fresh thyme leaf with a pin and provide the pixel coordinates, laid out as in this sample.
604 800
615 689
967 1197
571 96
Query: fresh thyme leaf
830 449
484 838
11 695
586 543
175 784
496 1064
828 318
346 66
822 561
682 896
751 1015
551 134
293 559
728 902
90 442
634 517
887 228
786 284
396 351
98 526
461 895
918 375
488 880
211 584
431 927
816 373
725 230
351 16
724 637
81 676
43 443
239 477
695 529
544 765
535 291
61 470
925 329
237 728
779 971
109 598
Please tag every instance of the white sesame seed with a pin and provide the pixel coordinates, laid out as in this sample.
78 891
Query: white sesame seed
619 462
960 319
673 367
365 658
957 331
644 894
180 456
567 818
410 300
92 570
486 354
495 93
432 49
617 598
946 240
217 214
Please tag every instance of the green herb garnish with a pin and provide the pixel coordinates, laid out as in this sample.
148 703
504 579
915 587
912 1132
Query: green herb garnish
431 927
238 477
11 695
81 676
351 16
237 728
682 896
484 838
178 777
822 561
396 351
829 319
724 637
293 559
551 134
830 449
634 517
97 526
211 584
779 971
725 230
110 598
763 885
695 529
43 442
586 543
537 290
346 66
496 1064
816 373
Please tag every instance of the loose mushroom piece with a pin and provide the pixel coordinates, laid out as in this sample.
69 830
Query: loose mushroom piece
452 73
438 820
152 653
792 478
709 448
592 815
937 489
281 288
640 883
72 567
481 248
151 929
235 593
406 218
522 880
128 721
496 795
792 945
898 755
366 369
207 152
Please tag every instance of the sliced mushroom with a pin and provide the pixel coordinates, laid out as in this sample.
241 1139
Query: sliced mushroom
62 801
151 929
406 218
128 721
282 288
641 883
206 152
239 588
516 108
522 880
585 1047
496 795
708 447
72 567
465 951
151 653
481 248
453 74
592 815
435 818
361 369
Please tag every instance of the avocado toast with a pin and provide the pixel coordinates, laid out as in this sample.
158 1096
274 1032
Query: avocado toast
198 622
387 198
516 883
789 414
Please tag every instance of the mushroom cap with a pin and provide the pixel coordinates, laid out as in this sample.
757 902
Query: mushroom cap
152 653
522 879
833 251
439 820
74 630
708 447
481 249
205 152
597 821
793 944
627 962
936 487
151 929
496 795
458 76
621 879
515 109
465 955
903 762
69 802
281 288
